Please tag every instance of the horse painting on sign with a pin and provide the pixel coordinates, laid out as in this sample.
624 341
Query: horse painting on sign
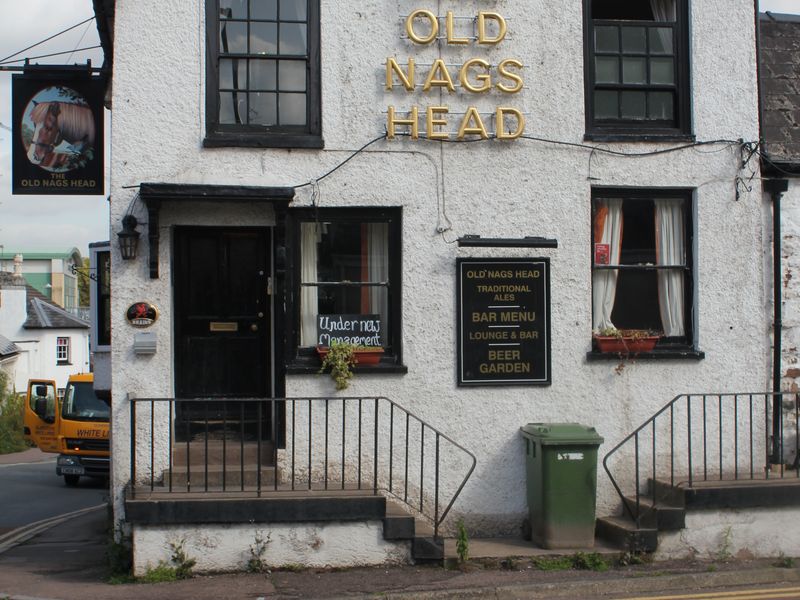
57 122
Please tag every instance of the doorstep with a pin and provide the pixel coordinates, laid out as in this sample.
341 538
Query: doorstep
487 548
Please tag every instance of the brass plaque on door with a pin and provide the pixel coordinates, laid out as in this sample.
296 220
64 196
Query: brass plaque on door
223 326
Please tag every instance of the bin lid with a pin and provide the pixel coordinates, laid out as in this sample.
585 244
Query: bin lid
561 433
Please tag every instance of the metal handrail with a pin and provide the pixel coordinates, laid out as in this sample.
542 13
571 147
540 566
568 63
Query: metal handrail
289 410
727 417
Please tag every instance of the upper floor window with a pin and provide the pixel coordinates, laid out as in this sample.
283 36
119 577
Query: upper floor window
637 68
63 351
263 79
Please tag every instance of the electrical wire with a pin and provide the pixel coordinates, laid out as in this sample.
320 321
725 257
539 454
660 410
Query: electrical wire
47 40
49 55
341 164
83 35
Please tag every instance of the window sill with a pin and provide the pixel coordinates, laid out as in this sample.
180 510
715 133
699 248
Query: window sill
671 354
639 137
263 140
63 363
311 366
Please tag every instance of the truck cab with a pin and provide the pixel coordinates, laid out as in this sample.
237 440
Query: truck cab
75 426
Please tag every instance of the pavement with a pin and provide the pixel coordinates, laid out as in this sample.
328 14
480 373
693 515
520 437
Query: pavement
65 559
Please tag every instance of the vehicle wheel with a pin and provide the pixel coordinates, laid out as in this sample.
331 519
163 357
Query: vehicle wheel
71 480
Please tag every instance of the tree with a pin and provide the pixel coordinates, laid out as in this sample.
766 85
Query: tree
83 283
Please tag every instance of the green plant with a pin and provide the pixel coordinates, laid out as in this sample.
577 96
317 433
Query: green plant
784 562
724 551
12 407
256 562
340 360
161 573
462 542
631 558
580 561
552 563
589 562
119 556
183 563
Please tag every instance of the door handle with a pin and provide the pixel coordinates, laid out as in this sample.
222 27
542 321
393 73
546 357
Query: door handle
253 327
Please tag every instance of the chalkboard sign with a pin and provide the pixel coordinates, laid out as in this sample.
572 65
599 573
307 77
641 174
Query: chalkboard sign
359 330
503 321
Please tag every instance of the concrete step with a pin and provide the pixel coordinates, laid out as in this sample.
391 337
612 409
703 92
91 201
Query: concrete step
214 476
233 452
623 533
661 515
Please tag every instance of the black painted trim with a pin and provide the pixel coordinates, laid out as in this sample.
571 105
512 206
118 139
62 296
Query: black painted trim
154 194
639 137
255 510
218 135
593 356
624 130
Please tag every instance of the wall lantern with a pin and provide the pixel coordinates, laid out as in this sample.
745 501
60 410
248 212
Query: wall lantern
128 237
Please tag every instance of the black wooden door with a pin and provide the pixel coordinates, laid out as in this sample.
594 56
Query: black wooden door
222 315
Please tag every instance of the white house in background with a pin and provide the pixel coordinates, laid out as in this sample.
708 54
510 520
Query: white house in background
50 342
50 272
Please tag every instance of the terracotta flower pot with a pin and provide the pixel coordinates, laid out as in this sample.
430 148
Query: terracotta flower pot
626 344
364 356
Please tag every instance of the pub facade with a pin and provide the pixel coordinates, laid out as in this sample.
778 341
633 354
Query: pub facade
483 191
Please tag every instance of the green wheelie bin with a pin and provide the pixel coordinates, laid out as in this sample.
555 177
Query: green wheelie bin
561 469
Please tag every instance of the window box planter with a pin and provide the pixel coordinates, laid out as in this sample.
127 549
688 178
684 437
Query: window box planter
626 344
363 356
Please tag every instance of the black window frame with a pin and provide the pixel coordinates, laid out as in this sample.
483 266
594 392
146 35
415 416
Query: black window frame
302 359
684 347
102 311
680 128
245 135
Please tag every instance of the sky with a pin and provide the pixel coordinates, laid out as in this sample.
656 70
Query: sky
42 223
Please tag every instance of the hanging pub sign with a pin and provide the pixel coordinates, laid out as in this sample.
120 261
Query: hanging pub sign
503 321
57 143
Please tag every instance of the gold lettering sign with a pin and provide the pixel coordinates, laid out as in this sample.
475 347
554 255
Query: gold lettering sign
475 75
223 326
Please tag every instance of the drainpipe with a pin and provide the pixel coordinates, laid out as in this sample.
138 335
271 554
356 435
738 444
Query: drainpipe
776 188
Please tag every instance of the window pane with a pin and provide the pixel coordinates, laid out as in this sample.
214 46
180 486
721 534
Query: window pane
606 69
293 39
344 252
662 71
232 9
229 103
660 106
293 10
606 105
634 39
660 40
232 74
233 38
605 39
633 105
292 76
263 38
264 9
263 109
293 109
634 70
263 75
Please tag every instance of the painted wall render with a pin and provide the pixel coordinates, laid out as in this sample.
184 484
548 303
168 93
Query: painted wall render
494 189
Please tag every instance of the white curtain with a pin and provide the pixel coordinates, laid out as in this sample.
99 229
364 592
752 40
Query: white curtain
670 251
663 10
309 295
607 230
378 266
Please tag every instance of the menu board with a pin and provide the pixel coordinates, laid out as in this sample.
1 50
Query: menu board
503 321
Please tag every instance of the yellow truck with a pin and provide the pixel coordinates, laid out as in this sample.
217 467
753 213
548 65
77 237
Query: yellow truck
75 426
